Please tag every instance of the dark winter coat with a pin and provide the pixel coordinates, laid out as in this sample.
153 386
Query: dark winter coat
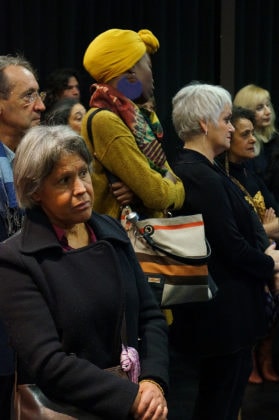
63 311
236 317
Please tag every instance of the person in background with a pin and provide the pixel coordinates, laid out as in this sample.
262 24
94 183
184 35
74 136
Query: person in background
61 83
224 330
75 273
21 105
66 111
258 100
127 142
235 162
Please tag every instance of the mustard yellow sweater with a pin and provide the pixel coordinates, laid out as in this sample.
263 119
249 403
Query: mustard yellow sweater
116 150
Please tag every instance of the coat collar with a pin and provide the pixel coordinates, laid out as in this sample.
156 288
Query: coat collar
191 156
38 234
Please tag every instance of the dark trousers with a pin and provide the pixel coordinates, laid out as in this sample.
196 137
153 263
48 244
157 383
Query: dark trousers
222 383
6 389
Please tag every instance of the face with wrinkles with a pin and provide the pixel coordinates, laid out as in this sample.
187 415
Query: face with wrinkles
219 135
66 194
23 106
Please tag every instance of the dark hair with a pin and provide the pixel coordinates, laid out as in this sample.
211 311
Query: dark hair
56 83
239 112
60 111
12 60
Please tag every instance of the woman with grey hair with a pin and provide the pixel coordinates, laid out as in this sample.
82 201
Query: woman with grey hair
225 330
74 287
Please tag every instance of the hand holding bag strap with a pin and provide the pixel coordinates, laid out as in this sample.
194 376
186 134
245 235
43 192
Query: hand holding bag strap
112 178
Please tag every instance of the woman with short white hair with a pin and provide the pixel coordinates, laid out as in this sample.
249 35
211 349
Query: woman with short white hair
224 330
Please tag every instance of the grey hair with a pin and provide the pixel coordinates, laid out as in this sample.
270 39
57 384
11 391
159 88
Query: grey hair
197 102
10 60
38 152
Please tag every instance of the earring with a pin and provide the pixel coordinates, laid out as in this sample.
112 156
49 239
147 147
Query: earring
131 90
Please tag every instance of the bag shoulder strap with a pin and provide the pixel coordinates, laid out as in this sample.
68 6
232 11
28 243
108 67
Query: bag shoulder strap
89 123
112 178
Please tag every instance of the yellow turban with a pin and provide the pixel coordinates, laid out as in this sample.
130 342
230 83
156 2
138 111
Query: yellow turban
117 50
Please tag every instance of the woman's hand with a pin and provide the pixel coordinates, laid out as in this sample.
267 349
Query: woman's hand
271 224
122 193
150 403
269 216
274 254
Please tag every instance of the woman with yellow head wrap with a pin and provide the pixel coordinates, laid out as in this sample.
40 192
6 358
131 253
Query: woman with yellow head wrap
127 139
115 51
128 144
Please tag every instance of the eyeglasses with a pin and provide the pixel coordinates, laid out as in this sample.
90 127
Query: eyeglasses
32 97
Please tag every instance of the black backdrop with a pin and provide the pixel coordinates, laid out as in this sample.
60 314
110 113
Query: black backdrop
193 36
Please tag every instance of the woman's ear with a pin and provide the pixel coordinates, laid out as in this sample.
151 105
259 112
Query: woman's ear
203 125
36 197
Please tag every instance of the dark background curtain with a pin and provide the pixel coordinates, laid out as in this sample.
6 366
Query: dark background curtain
193 42
256 45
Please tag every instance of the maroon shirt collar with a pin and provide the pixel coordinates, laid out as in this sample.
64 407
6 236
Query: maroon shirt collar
60 233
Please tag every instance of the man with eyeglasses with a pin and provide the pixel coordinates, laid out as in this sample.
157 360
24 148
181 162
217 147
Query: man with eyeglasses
21 106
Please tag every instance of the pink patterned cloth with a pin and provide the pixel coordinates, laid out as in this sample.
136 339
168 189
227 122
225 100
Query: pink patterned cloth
129 361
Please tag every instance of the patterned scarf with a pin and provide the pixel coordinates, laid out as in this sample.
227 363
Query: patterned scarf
10 213
144 125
